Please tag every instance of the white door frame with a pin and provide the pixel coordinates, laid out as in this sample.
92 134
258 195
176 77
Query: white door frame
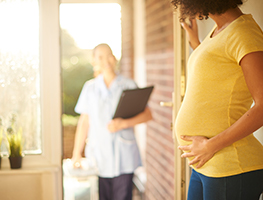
181 53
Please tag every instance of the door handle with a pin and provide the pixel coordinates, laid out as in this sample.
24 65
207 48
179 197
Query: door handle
166 104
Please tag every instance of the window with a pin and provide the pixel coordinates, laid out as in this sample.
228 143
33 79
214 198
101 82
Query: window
19 70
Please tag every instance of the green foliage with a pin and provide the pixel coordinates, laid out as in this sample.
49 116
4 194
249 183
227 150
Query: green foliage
15 143
1 135
72 84
69 120
76 70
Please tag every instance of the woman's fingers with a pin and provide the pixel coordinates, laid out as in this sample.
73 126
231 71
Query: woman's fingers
193 24
200 164
192 27
184 148
187 138
185 26
192 32
198 150
194 161
186 155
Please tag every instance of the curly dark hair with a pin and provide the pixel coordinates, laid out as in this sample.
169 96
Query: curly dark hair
192 8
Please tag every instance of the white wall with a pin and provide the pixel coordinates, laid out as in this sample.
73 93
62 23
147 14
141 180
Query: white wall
255 8
140 65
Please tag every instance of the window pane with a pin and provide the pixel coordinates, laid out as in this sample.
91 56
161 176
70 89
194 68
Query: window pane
19 70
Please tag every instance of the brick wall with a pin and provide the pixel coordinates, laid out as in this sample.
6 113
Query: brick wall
68 140
159 59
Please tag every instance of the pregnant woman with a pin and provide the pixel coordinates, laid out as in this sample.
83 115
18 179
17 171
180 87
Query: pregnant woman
216 122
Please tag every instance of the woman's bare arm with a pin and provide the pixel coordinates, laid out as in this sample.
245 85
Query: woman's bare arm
192 33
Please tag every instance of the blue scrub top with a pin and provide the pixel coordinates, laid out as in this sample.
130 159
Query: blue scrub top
115 153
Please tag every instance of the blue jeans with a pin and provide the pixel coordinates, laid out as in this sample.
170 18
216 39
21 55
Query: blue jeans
245 186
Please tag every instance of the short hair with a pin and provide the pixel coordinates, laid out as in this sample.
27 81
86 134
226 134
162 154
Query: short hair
202 8
101 45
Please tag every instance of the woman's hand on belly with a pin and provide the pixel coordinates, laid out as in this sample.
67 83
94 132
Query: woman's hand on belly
199 149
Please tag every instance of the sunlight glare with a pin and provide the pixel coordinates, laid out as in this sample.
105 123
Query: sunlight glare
93 23
19 30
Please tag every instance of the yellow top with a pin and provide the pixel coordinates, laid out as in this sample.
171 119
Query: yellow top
217 96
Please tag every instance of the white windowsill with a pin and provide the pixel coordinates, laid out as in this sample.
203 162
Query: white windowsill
29 170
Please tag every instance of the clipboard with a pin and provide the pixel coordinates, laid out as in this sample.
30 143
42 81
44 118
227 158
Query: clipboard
132 102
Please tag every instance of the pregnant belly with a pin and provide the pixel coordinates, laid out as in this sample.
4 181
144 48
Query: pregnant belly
205 123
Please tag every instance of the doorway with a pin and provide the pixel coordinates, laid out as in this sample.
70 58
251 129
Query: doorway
83 26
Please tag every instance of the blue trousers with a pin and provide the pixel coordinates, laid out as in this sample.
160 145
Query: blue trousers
117 188
245 186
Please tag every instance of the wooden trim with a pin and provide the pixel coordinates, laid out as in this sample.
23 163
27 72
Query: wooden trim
181 54
91 1
177 102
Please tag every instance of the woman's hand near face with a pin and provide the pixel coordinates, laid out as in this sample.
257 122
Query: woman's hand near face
192 33
200 150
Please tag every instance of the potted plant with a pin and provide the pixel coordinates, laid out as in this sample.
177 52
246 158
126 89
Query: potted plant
15 146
